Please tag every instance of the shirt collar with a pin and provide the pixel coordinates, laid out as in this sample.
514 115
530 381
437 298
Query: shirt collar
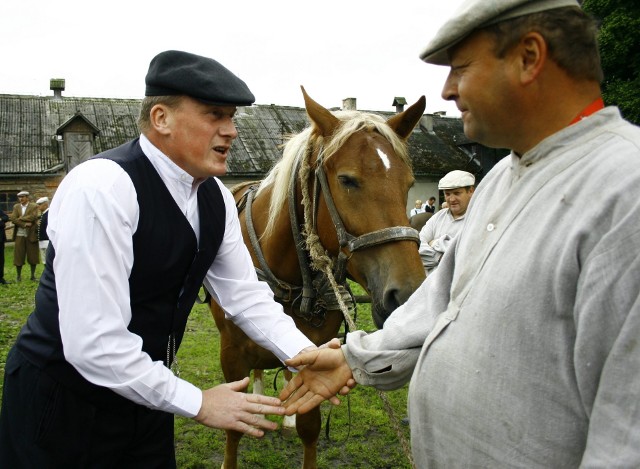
565 138
165 166
450 215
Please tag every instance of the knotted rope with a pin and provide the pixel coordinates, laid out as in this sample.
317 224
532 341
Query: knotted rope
322 262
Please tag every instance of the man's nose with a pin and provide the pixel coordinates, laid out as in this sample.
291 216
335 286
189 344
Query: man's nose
229 129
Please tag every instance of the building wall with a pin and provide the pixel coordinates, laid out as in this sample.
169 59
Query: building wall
37 186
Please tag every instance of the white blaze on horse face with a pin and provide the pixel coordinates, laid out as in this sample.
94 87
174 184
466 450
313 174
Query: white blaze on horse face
385 159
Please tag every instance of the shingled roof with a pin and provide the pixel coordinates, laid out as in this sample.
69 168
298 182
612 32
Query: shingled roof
31 128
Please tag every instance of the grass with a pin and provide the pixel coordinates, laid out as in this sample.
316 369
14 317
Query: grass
360 434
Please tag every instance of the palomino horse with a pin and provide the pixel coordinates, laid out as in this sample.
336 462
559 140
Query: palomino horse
342 182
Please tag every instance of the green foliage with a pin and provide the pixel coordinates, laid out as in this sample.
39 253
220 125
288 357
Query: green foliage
360 433
620 53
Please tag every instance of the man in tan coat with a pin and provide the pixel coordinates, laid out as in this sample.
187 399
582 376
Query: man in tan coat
25 234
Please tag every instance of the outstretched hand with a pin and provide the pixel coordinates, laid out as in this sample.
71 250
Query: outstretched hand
228 408
324 373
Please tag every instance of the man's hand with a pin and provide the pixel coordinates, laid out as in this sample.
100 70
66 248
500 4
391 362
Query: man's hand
228 408
324 374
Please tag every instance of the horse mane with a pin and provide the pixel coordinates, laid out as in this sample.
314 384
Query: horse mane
299 145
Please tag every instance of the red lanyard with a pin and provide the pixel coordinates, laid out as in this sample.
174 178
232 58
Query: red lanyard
590 109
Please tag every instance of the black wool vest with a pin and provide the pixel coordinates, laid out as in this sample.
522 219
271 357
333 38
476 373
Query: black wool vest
167 273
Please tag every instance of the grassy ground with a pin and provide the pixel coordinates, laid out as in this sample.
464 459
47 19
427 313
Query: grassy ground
359 436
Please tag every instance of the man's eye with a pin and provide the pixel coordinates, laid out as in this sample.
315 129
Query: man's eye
218 114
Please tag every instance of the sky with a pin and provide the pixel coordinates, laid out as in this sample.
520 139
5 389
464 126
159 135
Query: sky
336 49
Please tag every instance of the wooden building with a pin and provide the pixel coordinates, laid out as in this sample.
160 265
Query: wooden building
43 137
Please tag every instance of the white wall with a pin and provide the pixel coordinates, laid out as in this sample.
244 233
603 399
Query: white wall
422 190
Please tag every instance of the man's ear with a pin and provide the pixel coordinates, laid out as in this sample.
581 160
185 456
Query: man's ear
160 118
532 56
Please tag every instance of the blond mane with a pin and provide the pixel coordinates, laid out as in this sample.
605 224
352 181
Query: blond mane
297 147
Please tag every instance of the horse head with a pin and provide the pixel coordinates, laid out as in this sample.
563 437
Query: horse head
360 213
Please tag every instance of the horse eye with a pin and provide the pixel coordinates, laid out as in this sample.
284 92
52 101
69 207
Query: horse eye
348 182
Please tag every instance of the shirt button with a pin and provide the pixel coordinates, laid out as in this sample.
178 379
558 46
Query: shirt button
490 227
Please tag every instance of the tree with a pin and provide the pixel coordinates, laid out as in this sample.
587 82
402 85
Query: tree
620 53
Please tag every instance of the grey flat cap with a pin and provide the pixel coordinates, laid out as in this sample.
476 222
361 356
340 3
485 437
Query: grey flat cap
455 179
475 14
42 200
21 193
175 72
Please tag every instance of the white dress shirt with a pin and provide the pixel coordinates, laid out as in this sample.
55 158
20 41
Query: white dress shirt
92 220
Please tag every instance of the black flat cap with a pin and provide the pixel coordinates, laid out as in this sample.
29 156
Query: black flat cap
174 72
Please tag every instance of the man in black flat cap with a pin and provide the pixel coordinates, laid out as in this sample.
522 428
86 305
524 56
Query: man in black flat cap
134 232
522 346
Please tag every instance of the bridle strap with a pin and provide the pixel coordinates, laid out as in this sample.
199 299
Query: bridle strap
282 290
385 235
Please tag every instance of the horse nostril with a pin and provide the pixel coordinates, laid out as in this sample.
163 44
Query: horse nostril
391 300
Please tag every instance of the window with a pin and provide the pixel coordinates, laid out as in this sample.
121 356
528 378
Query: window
7 201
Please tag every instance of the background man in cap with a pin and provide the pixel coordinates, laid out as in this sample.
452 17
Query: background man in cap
522 346
43 238
25 234
430 205
440 229
4 218
88 381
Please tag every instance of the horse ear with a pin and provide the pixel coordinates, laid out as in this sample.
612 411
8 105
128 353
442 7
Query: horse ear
321 117
404 122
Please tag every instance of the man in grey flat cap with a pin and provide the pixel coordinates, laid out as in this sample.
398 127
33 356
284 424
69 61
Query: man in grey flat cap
522 347
25 235
436 235
134 233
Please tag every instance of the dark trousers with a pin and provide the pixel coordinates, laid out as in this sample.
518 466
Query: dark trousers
45 425
2 260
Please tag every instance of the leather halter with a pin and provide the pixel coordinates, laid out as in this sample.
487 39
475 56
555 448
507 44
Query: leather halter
316 296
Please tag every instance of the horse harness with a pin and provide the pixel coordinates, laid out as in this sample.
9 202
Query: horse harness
315 297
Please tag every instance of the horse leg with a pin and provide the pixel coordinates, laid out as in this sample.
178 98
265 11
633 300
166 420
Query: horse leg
231 450
289 421
308 426
258 382
233 371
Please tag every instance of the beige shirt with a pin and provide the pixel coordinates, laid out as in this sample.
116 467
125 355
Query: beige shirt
522 347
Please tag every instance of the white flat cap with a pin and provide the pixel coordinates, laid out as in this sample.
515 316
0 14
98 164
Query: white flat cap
42 200
21 193
455 179
475 14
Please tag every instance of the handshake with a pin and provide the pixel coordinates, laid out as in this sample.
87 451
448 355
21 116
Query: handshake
323 375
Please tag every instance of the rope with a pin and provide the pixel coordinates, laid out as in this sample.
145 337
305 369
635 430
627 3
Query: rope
321 261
